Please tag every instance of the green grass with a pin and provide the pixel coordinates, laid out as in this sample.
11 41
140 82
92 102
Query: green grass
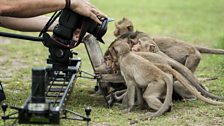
198 22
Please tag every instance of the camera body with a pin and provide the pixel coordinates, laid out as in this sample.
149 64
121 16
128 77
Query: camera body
61 42
70 21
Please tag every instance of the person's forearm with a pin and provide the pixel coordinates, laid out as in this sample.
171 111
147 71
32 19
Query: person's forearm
34 24
29 8
32 8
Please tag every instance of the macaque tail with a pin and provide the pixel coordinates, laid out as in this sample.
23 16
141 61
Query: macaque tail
210 50
193 80
167 102
190 88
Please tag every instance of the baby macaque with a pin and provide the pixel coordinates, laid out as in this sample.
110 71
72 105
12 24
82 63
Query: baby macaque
122 27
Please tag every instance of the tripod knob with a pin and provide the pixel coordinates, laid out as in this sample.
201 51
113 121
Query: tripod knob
88 111
74 53
4 107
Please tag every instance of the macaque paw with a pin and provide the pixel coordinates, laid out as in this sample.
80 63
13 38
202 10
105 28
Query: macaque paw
126 110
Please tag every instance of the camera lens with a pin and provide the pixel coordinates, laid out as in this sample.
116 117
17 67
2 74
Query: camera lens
97 30
102 29
70 21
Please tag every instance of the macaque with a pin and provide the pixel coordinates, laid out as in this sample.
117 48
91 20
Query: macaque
158 58
140 73
122 27
180 51
144 45
151 79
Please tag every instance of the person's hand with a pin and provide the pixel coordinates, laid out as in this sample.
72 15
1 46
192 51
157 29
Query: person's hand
85 8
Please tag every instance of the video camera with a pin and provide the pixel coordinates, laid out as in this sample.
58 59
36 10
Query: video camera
52 86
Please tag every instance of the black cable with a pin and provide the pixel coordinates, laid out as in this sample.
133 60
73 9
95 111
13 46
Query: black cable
25 37
47 24
50 22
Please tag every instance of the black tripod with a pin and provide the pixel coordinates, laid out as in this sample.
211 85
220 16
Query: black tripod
51 87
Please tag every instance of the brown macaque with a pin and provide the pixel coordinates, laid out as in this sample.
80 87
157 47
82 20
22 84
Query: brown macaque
144 46
186 84
110 58
134 36
123 26
177 76
146 76
180 51
151 79
158 58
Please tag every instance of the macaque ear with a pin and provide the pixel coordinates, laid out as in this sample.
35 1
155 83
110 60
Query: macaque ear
116 25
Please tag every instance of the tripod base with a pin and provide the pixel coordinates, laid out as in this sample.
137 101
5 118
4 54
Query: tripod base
51 88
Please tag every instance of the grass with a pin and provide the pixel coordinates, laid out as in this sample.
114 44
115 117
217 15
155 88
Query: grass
198 22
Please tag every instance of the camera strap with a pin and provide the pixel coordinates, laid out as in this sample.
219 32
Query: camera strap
50 22
67 4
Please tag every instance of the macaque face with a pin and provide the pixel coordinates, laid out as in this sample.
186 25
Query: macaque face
122 27
111 61
119 30
108 61
144 44
136 39
136 48
112 65
132 42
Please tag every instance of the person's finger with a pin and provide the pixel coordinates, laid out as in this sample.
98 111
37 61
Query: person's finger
87 1
88 13
94 17
95 11
99 13
85 8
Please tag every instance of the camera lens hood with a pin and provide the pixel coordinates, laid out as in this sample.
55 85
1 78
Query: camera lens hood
102 30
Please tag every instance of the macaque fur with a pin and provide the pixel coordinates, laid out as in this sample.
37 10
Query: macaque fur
123 26
157 58
166 64
179 50
111 62
135 75
145 39
146 44
154 82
